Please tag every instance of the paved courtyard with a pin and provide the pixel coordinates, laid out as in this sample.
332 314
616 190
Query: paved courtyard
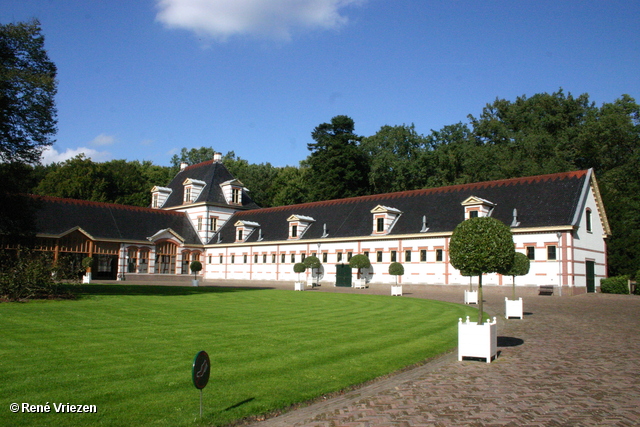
572 361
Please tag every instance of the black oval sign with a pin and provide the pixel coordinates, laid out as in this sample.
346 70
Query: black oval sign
201 370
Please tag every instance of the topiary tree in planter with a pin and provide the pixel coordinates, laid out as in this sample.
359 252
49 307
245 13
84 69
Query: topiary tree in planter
396 269
359 261
195 266
313 263
87 263
520 267
481 245
299 268
469 275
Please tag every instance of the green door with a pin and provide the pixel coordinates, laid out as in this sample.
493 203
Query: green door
591 276
343 275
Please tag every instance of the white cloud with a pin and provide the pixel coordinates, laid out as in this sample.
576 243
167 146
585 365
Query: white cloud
272 18
51 155
103 139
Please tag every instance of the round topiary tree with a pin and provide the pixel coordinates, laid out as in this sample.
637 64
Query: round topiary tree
195 266
396 269
313 263
481 245
87 262
520 267
299 268
359 261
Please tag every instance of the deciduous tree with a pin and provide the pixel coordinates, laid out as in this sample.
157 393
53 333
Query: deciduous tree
481 245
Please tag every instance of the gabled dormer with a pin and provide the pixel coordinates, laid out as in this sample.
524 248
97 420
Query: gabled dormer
298 224
232 191
244 230
159 196
192 189
477 207
384 218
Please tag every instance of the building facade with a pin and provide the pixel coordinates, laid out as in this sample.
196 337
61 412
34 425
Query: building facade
206 214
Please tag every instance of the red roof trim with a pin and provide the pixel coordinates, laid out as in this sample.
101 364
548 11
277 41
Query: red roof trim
413 193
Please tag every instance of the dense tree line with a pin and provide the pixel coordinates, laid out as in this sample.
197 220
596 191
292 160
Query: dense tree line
544 133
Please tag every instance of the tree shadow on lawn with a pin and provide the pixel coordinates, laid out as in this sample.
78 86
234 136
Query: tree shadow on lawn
81 291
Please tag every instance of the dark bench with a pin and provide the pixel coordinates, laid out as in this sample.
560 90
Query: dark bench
546 290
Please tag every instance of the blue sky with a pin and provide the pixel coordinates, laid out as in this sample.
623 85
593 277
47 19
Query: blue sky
139 80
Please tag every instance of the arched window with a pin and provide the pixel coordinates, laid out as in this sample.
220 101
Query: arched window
166 257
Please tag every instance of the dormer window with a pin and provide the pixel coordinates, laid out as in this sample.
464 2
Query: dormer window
298 225
159 196
475 207
244 230
192 189
384 218
232 191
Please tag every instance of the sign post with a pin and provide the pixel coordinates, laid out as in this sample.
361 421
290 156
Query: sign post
200 373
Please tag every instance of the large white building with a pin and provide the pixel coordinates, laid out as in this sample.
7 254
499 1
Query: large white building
206 214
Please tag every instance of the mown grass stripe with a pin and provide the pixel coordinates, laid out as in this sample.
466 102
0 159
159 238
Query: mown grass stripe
129 349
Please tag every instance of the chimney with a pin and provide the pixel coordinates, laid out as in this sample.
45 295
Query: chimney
183 166
217 157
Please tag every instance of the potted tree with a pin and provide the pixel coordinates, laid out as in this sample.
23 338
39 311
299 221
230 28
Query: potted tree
470 296
520 267
360 261
480 245
313 263
195 266
396 269
299 268
87 263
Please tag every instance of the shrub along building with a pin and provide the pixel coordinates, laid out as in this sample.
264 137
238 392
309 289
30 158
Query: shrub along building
206 214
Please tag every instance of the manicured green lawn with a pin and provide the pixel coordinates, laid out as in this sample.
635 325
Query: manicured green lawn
129 350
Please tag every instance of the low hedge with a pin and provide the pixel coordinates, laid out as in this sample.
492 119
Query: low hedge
615 285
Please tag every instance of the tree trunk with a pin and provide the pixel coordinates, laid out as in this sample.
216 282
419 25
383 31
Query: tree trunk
480 305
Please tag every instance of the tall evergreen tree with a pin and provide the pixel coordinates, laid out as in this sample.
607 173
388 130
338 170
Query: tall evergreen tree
338 167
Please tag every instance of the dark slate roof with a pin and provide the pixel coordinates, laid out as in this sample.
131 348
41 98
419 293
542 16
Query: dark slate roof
57 216
213 174
541 201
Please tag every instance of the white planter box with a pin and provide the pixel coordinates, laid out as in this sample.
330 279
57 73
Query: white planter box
360 283
311 281
298 286
470 297
86 278
513 308
396 290
477 340
194 282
